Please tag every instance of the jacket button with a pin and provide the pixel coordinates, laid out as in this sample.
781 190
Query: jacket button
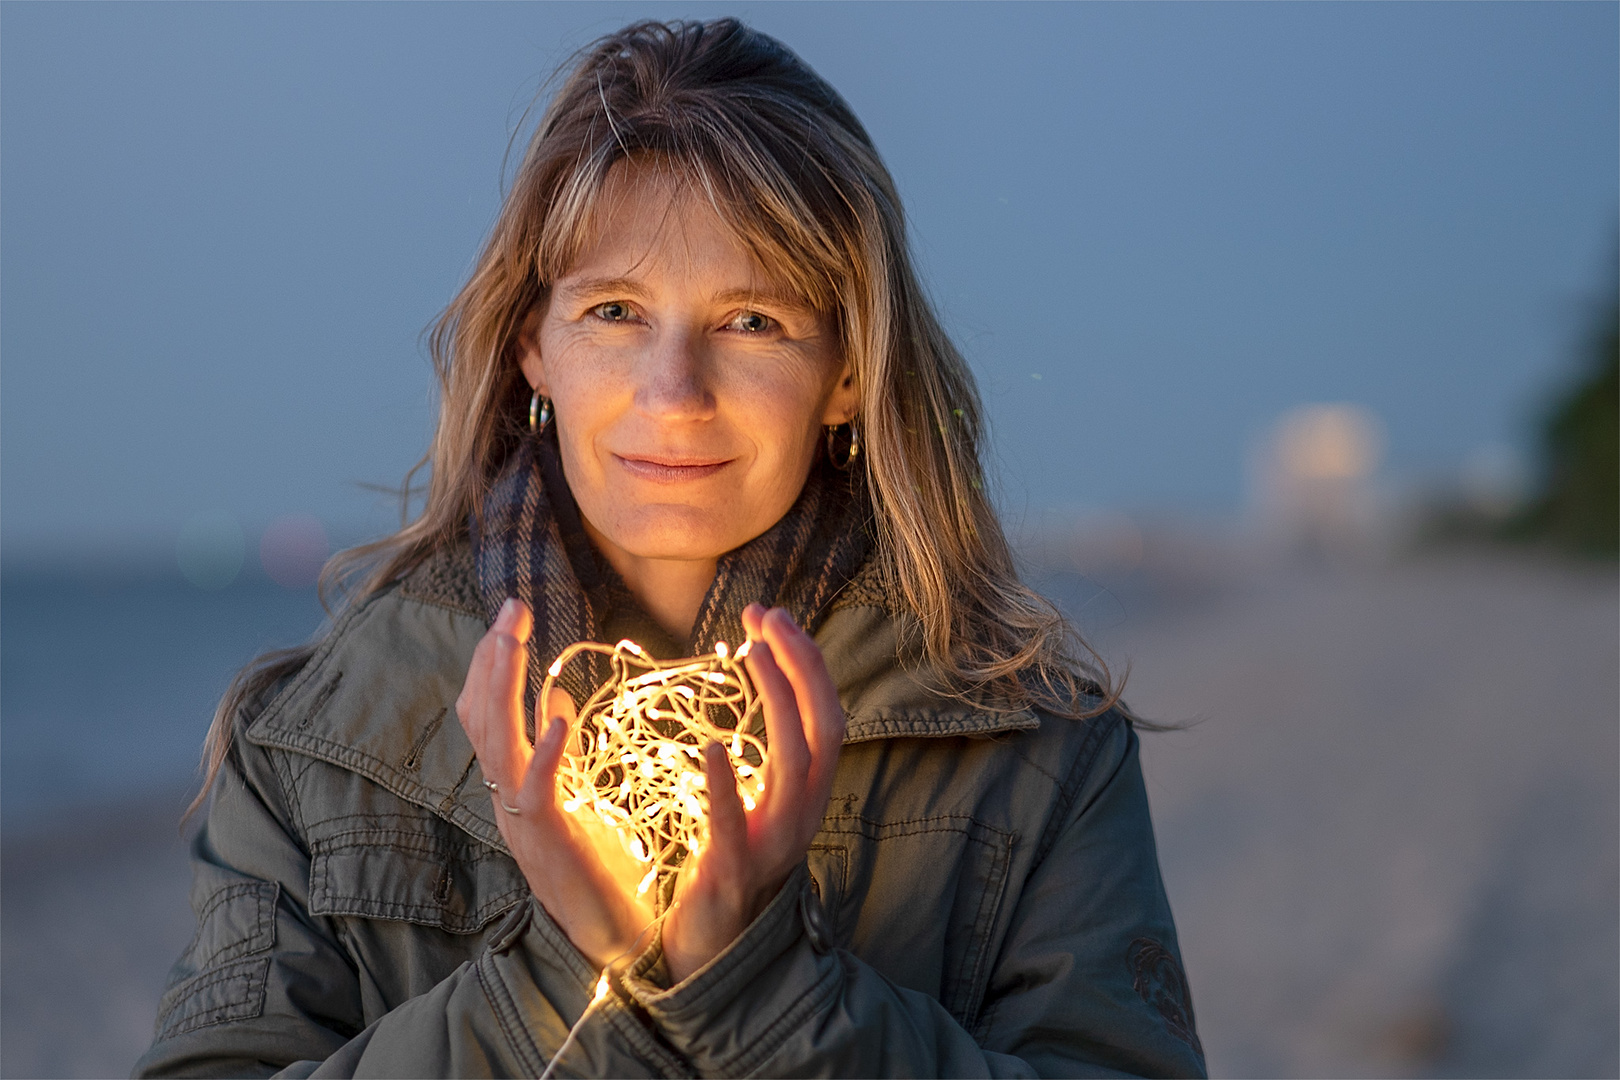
817 927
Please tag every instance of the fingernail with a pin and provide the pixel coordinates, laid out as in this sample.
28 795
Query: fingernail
508 609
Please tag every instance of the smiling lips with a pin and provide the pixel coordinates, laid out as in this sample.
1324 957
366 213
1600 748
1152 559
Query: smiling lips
670 470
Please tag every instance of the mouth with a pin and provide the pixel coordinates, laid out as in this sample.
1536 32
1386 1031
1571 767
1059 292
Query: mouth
670 469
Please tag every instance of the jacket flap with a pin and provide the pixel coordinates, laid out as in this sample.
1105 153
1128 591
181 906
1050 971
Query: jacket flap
418 868
378 698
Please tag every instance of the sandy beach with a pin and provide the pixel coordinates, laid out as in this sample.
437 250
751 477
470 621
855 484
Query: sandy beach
1388 830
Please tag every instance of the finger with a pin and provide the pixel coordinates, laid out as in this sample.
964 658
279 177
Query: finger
800 660
557 702
520 618
507 751
539 792
469 703
789 760
728 822
483 657
752 616
552 710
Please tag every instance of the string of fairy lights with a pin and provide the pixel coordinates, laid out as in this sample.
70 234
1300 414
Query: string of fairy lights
637 756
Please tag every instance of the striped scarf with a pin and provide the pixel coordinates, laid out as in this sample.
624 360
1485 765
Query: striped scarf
529 542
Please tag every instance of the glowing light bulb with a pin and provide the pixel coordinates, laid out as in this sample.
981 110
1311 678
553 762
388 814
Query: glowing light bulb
636 757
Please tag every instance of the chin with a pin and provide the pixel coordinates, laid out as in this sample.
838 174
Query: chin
679 532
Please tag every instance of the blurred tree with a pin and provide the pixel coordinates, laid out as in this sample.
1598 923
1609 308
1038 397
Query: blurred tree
1578 505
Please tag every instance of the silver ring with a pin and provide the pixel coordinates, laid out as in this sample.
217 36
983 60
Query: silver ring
496 790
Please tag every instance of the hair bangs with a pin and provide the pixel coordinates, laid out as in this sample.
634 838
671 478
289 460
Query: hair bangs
802 248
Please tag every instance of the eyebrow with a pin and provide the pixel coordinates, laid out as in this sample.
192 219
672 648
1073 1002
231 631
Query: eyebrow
768 296
623 286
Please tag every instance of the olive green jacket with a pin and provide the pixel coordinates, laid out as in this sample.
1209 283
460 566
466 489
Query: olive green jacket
983 897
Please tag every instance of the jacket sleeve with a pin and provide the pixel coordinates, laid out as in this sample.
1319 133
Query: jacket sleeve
265 988
1088 981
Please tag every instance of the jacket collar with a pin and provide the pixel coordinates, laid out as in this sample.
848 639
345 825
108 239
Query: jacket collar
378 697
887 698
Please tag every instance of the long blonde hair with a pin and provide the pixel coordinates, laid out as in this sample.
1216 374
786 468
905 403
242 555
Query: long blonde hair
782 158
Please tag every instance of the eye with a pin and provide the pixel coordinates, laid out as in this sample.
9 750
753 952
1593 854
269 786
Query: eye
613 311
751 322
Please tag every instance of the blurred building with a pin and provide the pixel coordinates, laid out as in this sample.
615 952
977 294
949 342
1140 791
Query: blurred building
1311 481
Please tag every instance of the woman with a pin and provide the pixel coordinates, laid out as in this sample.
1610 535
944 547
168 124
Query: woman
691 393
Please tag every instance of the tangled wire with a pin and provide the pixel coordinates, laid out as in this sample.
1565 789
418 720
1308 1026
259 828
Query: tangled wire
637 758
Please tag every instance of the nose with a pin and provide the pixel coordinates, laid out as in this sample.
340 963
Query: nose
671 381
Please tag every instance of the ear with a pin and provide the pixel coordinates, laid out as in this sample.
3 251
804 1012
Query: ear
528 349
844 401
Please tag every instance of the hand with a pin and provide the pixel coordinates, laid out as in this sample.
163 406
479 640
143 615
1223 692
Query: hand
578 872
749 854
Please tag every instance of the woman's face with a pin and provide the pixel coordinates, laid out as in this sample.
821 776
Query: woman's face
690 390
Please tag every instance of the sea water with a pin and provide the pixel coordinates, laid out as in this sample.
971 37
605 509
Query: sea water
108 681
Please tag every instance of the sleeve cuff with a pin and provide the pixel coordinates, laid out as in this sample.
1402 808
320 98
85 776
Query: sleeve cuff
539 984
732 1013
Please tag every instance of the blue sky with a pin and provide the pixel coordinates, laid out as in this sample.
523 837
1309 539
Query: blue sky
224 227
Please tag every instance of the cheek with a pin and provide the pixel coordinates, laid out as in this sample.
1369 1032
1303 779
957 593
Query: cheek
779 405
583 382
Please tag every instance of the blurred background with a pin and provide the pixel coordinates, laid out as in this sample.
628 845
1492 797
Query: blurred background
1296 328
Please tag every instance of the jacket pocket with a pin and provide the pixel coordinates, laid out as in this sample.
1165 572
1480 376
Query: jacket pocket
413 868
876 879
232 992
221 975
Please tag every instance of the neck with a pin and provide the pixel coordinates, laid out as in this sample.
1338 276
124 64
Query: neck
670 590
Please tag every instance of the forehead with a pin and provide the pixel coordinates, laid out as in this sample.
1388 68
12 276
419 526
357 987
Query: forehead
648 223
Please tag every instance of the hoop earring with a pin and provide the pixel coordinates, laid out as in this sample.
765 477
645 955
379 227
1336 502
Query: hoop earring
854 445
539 412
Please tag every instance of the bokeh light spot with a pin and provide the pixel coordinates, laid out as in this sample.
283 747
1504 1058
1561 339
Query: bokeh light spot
210 549
1329 442
293 550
